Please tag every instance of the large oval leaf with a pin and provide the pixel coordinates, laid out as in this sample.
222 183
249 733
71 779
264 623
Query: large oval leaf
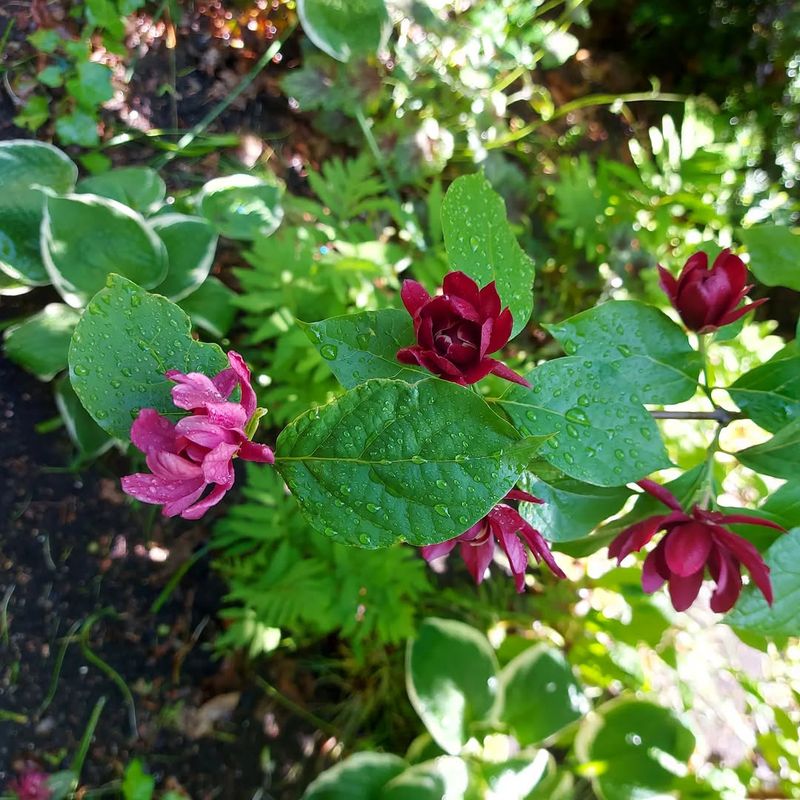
603 434
360 777
242 206
125 342
85 238
779 457
774 254
770 394
391 461
480 242
141 188
345 30
451 677
24 167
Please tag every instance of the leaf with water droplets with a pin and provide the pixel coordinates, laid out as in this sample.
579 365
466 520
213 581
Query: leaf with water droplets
651 353
480 242
362 346
608 442
386 445
120 352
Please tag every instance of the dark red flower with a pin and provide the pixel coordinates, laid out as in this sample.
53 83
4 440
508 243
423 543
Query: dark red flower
504 525
457 330
31 785
691 543
707 298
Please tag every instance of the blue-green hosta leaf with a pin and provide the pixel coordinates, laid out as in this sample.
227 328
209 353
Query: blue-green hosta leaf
633 749
211 307
451 678
85 238
191 244
445 776
141 188
124 343
345 30
782 618
541 695
779 457
242 206
360 777
480 242
603 434
770 394
40 343
391 461
361 346
650 352
25 166
774 254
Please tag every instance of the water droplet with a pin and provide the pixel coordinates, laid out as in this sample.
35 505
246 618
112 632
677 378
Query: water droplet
363 340
569 458
136 300
329 532
364 539
126 371
577 415
344 488
115 384
619 455
372 508
81 370
328 351
624 350
101 414
461 458
441 484
96 310
570 348
531 415
441 510
572 431
584 400
474 243
418 460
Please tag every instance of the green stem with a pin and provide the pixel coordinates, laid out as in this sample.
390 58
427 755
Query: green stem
176 579
67 641
295 708
86 739
380 161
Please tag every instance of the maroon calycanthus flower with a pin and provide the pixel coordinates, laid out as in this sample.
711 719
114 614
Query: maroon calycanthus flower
31 785
457 330
694 542
187 457
707 299
502 525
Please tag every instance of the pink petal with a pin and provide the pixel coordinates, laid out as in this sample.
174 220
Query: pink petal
199 430
661 493
150 432
477 557
225 381
686 548
250 451
211 499
683 591
153 489
172 467
194 390
218 466
414 296
229 415
248 399
430 552
176 507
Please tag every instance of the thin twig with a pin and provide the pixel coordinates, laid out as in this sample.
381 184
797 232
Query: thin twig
66 642
86 739
295 708
719 415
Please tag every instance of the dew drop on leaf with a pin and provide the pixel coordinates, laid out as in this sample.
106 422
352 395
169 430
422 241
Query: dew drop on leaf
328 351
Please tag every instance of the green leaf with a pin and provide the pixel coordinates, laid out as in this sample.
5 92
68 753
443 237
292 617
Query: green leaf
360 777
774 254
782 618
91 86
40 343
136 783
541 695
345 30
627 747
601 435
211 307
529 775
85 238
78 128
779 457
651 353
361 346
770 394
242 206
25 166
451 678
783 506
51 76
191 244
392 461
45 39
86 434
571 509
141 188
34 114
446 776
124 343
480 242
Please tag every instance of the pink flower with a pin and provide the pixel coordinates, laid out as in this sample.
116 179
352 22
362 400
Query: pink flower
707 298
692 543
504 525
31 785
457 330
187 457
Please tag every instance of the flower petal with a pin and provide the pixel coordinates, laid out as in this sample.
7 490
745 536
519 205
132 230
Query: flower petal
154 489
151 432
686 548
489 301
667 283
502 371
459 285
200 430
173 467
746 553
635 537
477 556
211 499
661 493
193 390
430 552
683 590
414 296
248 398
232 416
260 453
724 569
518 494
654 570
225 381
218 465
501 331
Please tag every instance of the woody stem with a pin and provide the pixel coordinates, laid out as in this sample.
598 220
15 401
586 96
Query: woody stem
719 415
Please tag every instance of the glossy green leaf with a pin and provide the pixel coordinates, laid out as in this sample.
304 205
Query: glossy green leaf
451 677
541 695
191 244
361 346
650 352
85 238
125 342
242 206
530 775
25 166
391 461
480 242
770 394
602 433
78 128
345 30
783 506
211 307
136 783
140 188
360 777
779 457
628 748
91 86
85 433
571 509
446 776
40 343
774 254
782 618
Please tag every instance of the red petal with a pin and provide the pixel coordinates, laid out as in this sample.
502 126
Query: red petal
501 331
479 371
477 557
502 371
414 296
683 591
635 537
518 494
667 283
490 304
737 313
430 552
409 355
732 267
460 285
660 493
745 519
725 571
654 570
746 553
697 262
686 548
